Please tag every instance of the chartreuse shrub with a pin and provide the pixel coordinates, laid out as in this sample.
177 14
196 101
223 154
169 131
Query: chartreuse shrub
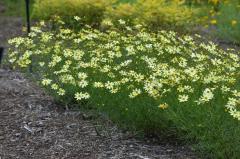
154 13
166 14
160 83
90 11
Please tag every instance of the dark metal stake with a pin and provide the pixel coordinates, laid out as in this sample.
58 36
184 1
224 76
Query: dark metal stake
28 15
28 27
1 54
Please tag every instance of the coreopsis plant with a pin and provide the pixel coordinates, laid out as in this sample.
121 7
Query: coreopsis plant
135 61
148 76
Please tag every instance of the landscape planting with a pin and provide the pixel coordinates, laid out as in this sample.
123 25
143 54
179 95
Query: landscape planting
160 70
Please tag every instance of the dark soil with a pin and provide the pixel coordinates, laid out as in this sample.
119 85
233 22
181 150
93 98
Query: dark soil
32 125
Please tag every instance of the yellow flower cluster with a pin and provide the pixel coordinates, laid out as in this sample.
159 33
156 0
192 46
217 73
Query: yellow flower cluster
163 66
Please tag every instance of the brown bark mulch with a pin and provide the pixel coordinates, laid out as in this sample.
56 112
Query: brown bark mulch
33 126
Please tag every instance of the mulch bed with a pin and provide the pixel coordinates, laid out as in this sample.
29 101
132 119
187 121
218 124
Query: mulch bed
33 126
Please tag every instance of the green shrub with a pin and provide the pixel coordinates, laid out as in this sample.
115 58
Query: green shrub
90 11
160 83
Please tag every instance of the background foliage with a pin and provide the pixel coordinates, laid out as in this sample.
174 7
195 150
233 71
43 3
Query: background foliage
153 13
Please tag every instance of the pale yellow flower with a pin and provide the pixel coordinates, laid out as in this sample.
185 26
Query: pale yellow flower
46 82
163 106
214 21
233 22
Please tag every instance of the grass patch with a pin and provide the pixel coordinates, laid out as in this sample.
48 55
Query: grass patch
228 21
